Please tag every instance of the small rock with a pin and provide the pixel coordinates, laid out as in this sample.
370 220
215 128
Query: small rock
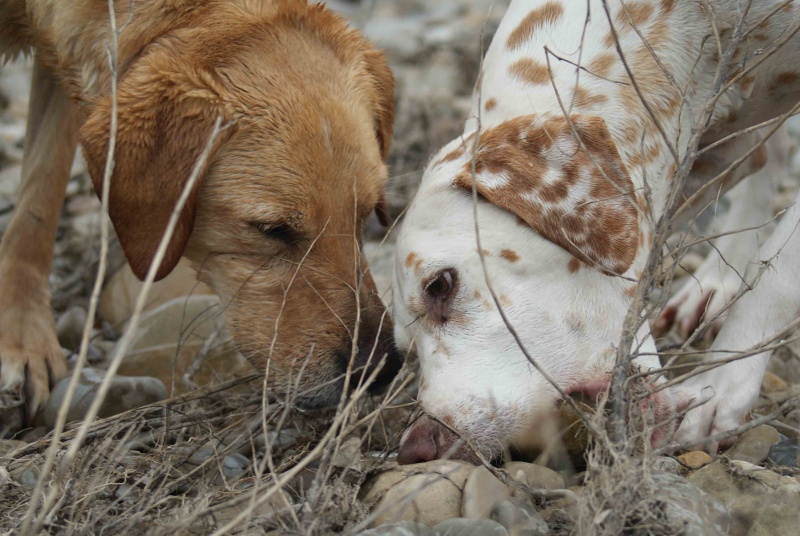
520 518
7 446
746 490
125 393
28 478
399 37
469 527
348 456
426 492
753 446
785 453
667 464
773 384
278 439
34 434
121 291
536 476
168 341
403 528
69 327
695 459
12 414
235 465
275 503
699 512
482 492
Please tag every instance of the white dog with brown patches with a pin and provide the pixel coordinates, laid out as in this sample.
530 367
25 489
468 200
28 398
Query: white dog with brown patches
573 172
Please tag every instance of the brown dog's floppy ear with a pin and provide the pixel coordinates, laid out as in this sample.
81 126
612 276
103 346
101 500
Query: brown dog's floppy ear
163 128
581 200
383 104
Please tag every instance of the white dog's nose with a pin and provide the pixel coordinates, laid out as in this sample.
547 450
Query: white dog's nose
422 443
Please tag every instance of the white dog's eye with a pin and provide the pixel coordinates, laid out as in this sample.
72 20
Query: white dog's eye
441 286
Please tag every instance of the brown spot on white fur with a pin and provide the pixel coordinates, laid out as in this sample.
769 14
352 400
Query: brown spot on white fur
490 105
584 99
574 265
534 168
635 13
546 14
510 255
413 261
786 79
602 64
529 71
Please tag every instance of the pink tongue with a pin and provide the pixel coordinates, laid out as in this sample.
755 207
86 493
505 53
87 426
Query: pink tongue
592 390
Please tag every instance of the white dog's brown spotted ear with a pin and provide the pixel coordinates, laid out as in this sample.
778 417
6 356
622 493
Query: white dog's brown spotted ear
580 199
165 121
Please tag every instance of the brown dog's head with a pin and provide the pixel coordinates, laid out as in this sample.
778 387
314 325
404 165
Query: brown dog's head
275 220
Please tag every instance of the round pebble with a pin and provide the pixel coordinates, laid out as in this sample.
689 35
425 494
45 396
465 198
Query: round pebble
69 327
482 492
695 459
125 393
753 446
403 528
520 518
469 527
785 453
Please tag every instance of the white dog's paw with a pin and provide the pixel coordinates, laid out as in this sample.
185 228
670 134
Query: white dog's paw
720 404
702 297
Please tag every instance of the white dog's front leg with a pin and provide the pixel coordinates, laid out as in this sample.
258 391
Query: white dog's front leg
732 389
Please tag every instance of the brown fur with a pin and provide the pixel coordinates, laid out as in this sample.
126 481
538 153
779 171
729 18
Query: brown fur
530 71
602 230
539 17
310 108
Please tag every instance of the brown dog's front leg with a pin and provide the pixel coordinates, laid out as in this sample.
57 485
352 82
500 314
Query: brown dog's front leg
31 359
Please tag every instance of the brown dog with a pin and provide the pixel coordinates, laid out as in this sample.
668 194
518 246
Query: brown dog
274 223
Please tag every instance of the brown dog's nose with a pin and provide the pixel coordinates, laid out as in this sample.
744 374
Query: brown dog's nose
376 345
428 440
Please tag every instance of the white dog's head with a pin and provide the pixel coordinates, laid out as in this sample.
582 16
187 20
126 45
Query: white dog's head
557 221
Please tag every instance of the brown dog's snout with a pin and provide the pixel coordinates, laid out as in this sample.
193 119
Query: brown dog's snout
375 347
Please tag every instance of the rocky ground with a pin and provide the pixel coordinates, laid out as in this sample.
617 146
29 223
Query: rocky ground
184 444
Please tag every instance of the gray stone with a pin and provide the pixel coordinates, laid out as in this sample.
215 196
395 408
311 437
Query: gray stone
426 492
278 439
348 455
28 478
666 464
700 513
482 492
69 328
785 453
235 465
753 446
469 527
399 37
404 528
168 341
747 490
520 518
12 413
535 476
125 393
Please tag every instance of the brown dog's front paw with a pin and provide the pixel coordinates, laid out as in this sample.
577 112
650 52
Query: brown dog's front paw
31 361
